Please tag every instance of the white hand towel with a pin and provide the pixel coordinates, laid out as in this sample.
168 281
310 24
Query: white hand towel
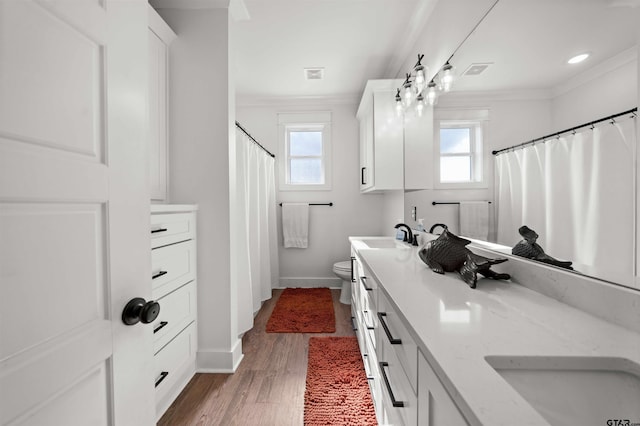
295 224
474 219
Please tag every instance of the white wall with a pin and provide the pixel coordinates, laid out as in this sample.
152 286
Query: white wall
329 227
201 116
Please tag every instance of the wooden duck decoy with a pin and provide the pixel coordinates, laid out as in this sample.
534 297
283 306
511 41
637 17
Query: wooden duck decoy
448 253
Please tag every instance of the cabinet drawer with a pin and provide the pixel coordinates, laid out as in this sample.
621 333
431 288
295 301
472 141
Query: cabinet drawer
172 360
177 309
172 266
393 332
171 228
399 399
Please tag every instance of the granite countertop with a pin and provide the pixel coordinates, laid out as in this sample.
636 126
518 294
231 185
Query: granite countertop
456 327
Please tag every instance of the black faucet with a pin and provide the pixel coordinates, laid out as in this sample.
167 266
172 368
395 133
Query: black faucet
408 235
444 227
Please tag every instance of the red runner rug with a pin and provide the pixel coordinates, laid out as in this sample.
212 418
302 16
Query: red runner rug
303 310
337 391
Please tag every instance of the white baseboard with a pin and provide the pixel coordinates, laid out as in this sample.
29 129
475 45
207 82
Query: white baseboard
306 282
216 361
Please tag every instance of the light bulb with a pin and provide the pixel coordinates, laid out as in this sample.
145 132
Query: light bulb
419 80
407 95
419 105
398 103
447 77
432 95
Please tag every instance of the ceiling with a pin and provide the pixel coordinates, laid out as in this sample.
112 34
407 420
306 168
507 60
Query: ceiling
527 43
353 40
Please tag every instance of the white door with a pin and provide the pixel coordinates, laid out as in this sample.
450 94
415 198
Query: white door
74 215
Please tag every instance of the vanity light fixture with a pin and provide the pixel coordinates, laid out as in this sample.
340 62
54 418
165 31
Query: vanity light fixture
417 92
578 58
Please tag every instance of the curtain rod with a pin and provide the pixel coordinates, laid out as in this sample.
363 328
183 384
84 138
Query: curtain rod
591 123
435 203
253 139
319 204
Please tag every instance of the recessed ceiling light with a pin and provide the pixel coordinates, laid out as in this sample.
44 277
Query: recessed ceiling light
578 58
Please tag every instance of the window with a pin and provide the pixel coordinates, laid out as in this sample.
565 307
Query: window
460 155
305 151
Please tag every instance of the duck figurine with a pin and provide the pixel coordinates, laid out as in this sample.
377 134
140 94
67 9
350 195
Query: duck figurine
448 253
529 248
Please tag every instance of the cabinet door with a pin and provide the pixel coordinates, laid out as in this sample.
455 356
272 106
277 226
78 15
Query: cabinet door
157 117
418 151
388 140
367 175
435 406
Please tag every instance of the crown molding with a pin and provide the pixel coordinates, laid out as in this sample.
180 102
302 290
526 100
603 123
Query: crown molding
497 95
249 101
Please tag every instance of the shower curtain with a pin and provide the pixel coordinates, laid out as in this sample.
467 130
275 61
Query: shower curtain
255 234
577 192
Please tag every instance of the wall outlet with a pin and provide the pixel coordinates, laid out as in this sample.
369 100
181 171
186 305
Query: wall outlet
414 213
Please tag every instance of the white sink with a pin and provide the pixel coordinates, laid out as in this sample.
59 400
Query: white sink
382 242
574 390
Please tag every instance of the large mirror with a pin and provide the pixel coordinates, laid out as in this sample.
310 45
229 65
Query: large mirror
576 190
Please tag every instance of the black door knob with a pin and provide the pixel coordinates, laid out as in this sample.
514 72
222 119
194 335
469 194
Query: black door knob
139 310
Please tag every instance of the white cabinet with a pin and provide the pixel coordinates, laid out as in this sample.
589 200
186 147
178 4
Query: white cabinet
174 286
418 150
435 406
405 389
160 36
381 138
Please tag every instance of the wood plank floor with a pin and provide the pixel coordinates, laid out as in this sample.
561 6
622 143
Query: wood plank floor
268 387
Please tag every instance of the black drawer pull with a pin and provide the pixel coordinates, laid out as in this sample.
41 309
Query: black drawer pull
388 385
158 275
353 277
363 280
163 376
155 231
392 340
369 327
353 324
160 327
362 181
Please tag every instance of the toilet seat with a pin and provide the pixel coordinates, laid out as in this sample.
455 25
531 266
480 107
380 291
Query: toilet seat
344 266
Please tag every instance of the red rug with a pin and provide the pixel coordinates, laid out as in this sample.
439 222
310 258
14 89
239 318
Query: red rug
303 310
337 391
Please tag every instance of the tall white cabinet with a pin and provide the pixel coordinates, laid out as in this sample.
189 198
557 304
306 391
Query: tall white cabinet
160 37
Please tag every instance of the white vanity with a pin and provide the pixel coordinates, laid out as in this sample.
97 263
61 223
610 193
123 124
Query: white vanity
440 353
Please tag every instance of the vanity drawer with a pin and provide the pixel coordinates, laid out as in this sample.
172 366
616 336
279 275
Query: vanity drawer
174 360
171 228
172 266
396 338
399 399
177 310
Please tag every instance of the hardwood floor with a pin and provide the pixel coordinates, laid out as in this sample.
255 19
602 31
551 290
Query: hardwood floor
268 387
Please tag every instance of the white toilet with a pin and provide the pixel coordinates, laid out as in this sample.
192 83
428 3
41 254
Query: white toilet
343 271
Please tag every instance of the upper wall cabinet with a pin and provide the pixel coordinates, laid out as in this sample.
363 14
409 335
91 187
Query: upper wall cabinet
418 150
160 36
381 138
396 151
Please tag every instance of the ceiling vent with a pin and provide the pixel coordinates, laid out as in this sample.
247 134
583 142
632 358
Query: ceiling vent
476 69
314 73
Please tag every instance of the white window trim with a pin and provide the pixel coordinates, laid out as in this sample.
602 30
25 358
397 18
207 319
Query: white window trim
480 116
312 121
